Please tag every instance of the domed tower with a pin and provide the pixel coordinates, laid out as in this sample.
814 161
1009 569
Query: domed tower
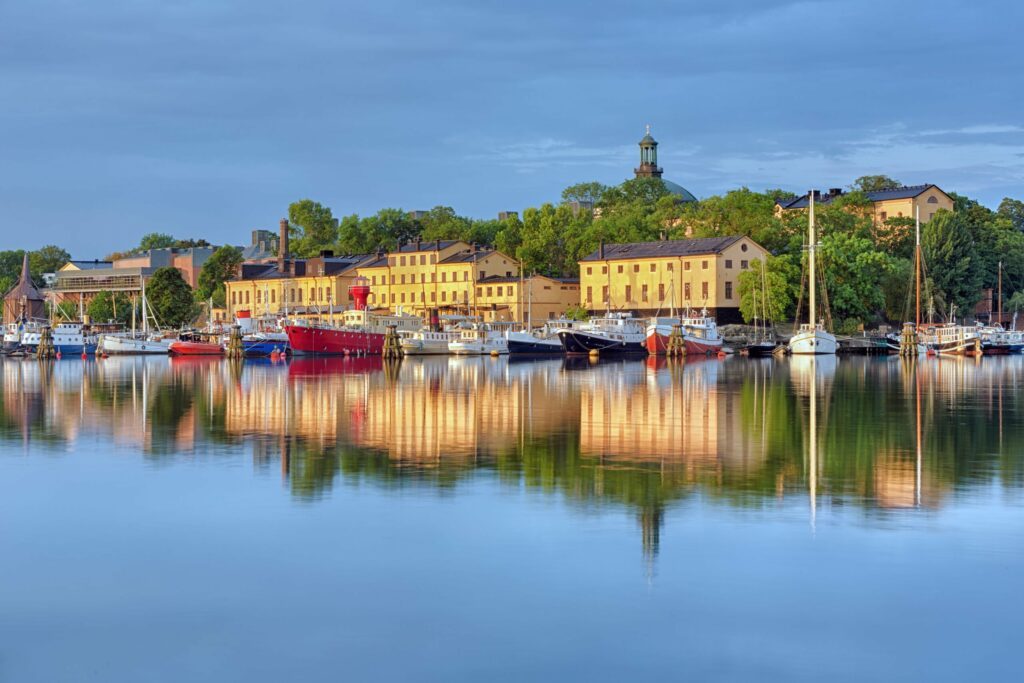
648 157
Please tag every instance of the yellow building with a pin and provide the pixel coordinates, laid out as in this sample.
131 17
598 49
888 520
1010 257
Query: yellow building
299 287
900 202
451 276
651 278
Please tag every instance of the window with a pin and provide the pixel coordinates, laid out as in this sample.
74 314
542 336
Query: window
423 259
423 297
931 215
643 293
300 295
432 276
670 266
686 266
590 271
320 294
703 265
933 200
636 267
743 247
392 297
686 291
403 278
728 290
551 315
465 276
728 263
402 261
661 292
882 215
392 279
234 297
620 269
444 295
444 276
479 291
744 265
704 291
483 274
247 297
371 297
273 296
392 261
258 296
604 293
899 214
590 294
490 291
604 270
499 291
629 293
654 267
433 259
508 273
433 297
403 297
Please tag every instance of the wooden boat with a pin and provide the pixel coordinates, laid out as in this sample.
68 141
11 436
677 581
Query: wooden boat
197 344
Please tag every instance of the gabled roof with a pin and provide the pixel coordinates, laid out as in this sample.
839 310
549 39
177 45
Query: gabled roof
663 248
90 265
333 265
425 245
468 256
905 192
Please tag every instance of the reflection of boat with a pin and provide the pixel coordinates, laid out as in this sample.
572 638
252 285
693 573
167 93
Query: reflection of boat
812 338
700 334
311 366
613 335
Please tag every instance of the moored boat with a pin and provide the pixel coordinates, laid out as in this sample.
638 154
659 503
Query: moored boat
479 339
613 335
192 345
360 333
700 334
69 339
543 341
428 342
812 338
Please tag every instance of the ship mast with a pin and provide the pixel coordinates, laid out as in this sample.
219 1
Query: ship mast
917 267
810 254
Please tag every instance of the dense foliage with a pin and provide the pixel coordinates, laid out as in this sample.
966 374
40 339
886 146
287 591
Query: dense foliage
170 297
222 265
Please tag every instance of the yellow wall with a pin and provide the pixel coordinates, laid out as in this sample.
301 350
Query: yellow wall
542 297
267 296
666 279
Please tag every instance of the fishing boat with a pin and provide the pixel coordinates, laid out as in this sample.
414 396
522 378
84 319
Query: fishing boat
69 339
543 341
812 338
613 335
479 339
700 334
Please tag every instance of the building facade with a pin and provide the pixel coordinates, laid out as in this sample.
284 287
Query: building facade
900 202
652 278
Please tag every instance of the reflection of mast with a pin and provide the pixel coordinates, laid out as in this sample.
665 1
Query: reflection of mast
650 526
813 478
917 470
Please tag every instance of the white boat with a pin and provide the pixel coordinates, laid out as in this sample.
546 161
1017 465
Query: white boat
812 338
951 339
15 332
138 343
478 340
69 338
428 342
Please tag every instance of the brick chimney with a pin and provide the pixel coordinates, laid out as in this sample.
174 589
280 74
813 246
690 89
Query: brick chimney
600 250
282 247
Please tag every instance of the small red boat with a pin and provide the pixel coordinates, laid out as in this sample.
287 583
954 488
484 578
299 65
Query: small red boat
196 345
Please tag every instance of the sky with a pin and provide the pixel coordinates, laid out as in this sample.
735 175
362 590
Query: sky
206 118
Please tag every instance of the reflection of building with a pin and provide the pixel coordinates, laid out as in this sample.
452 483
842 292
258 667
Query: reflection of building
652 277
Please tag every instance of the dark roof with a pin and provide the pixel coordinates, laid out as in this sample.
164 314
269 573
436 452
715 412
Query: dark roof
426 245
663 248
905 192
333 265
468 256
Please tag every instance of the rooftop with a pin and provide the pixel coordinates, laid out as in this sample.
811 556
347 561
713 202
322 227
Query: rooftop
904 192
663 248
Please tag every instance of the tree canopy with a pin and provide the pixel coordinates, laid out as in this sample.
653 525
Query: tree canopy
170 297
221 266
871 183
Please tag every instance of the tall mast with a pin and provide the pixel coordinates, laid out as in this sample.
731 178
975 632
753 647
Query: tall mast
917 267
1000 303
810 253
145 308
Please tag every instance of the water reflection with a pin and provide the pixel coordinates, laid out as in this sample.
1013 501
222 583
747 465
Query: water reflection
813 434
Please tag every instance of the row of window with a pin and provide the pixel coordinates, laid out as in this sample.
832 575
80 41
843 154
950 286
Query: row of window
315 294
644 292
670 266
401 279
424 259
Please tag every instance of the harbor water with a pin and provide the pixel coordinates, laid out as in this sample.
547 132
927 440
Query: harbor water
491 519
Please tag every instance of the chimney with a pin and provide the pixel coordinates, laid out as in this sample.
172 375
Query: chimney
835 191
600 250
417 244
282 247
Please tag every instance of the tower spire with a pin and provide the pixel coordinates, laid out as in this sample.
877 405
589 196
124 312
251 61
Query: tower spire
648 167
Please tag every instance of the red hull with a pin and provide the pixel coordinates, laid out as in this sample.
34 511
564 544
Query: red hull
329 341
657 343
187 348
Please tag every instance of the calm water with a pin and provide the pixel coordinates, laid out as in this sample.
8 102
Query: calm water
482 519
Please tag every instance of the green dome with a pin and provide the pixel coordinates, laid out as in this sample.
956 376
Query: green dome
648 140
679 190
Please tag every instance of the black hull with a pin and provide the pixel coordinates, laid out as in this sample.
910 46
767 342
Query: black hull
521 348
760 350
577 342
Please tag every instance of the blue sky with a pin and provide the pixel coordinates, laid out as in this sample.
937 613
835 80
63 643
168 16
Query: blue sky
207 117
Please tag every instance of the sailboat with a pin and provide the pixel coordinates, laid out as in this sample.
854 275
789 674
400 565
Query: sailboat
133 343
764 341
812 338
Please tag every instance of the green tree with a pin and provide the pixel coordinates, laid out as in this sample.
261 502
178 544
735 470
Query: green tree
778 275
589 194
1013 209
871 183
155 240
442 223
853 272
108 306
222 265
386 229
948 248
48 259
171 297
576 312
10 268
319 227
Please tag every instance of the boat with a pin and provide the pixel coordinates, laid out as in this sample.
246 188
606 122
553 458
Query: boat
428 342
764 343
196 344
479 339
69 339
700 334
951 339
14 332
812 338
543 341
615 334
262 344
360 333
135 342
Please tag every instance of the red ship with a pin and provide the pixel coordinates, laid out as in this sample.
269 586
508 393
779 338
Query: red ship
361 333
